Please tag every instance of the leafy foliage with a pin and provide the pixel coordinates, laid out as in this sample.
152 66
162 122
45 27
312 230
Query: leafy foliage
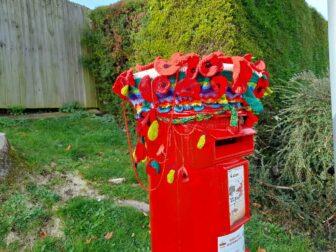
71 107
109 46
16 110
297 154
185 26
288 35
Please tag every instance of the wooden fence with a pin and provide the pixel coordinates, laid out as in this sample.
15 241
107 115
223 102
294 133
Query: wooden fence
40 54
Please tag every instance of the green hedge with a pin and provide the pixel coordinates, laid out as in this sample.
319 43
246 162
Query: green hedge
109 45
287 34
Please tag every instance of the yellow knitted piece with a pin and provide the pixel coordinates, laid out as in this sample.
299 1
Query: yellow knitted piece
171 176
124 90
153 131
201 142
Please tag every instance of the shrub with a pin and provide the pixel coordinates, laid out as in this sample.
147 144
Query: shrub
297 155
109 46
288 35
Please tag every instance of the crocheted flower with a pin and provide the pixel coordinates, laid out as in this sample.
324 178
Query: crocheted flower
121 87
188 88
146 90
242 73
161 84
219 85
210 65
165 67
192 65
262 85
128 75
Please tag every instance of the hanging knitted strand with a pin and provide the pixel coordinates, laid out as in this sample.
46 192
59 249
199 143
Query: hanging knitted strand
129 142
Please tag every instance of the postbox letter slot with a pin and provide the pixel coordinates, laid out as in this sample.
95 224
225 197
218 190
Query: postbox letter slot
225 141
234 146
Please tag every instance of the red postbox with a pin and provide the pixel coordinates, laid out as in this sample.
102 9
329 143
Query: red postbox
195 132
207 198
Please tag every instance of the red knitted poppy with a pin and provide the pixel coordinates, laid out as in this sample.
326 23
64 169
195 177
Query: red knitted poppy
188 88
210 65
161 84
261 87
219 84
165 67
118 85
242 73
145 89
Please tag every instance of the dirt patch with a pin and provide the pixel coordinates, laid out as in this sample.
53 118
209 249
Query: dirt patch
26 242
70 185
53 227
75 186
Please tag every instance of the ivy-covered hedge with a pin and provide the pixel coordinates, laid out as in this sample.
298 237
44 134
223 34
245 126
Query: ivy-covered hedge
109 44
287 34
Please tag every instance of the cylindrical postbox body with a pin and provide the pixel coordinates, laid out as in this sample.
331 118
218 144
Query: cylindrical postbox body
202 197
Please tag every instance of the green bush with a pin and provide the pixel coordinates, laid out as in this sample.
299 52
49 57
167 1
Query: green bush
297 154
289 35
109 45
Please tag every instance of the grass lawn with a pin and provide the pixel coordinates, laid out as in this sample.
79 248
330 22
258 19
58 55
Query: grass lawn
31 209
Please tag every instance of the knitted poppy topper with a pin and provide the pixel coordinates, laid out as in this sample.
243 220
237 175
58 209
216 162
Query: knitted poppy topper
189 82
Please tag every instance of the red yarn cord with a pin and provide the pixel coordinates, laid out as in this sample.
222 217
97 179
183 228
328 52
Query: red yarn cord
131 153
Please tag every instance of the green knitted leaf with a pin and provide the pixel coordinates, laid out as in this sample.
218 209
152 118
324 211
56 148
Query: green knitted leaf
252 101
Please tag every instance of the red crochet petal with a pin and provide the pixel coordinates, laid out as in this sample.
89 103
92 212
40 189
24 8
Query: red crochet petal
146 89
242 73
219 54
177 58
140 152
130 77
165 67
140 68
161 84
210 65
188 88
259 66
118 85
192 68
261 87
248 57
251 119
219 84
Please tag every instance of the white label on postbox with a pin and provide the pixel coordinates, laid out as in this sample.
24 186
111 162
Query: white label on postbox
236 187
234 242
